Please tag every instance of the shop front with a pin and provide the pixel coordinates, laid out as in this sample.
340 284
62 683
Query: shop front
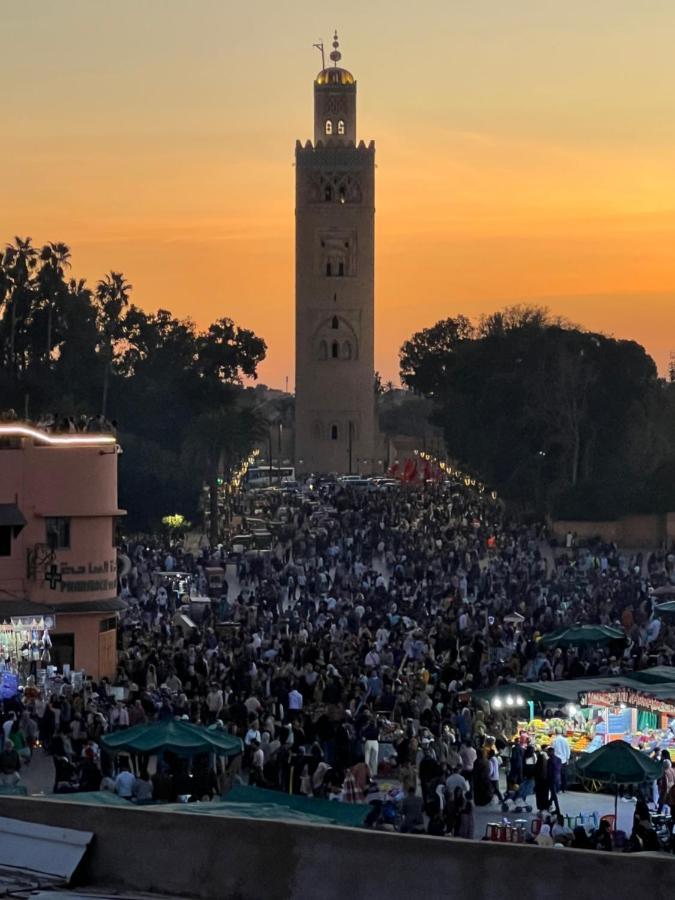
593 712
25 643
641 719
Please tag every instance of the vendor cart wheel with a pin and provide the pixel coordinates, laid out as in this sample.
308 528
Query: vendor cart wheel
590 785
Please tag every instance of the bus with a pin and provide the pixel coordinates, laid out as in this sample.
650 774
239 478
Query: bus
259 476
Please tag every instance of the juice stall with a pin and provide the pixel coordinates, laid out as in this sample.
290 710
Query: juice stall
638 709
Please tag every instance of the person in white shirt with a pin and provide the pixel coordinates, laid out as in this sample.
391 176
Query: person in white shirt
257 764
214 702
456 781
295 700
372 660
253 734
124 783
252 704
119 716
493 764
561 748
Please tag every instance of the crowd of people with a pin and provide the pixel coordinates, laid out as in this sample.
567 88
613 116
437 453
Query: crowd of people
55 423
351 650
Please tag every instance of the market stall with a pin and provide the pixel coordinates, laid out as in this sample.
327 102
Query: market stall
592 713
25 643
640 718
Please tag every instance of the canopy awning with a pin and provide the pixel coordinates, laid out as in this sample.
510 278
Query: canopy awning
11 517
173 735
23 609
666 609
245 802
583 636
651 689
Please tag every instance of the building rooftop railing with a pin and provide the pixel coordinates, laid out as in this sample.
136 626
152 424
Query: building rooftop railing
11 434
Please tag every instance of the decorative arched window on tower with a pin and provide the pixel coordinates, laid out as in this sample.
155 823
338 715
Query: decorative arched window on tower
323 350
341 127
335 350
328 194
346 350
329 126
333 432
335 323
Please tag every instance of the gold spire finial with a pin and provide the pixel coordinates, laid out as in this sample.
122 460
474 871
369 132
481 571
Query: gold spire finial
336 56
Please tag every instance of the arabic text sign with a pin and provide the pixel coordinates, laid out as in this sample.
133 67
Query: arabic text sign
628 697
88 578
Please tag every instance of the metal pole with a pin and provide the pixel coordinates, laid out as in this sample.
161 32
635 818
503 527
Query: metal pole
269 440
350 447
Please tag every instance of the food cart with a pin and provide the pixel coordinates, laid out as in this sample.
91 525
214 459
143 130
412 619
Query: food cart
638 708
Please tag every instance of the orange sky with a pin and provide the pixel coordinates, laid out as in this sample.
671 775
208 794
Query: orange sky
525 150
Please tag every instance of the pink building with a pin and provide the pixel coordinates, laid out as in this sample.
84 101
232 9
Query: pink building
58 557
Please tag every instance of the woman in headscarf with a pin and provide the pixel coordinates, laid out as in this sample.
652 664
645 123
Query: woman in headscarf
482 788
318 778
666 782
541 786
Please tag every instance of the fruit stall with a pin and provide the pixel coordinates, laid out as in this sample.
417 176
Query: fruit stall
637 708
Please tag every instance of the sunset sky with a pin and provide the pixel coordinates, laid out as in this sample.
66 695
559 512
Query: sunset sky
525 152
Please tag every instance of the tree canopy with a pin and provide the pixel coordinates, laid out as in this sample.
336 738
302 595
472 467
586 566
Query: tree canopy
70 350
570 421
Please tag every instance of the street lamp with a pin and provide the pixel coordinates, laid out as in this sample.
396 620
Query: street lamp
350 431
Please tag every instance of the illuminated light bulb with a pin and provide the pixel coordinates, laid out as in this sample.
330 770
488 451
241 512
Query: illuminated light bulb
509 700
497 703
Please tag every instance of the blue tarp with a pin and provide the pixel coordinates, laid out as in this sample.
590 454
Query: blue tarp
9 685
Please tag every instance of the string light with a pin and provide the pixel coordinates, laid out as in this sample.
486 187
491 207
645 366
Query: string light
445 467
57 440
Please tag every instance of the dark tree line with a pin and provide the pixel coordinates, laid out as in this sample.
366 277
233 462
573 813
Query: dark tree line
176 392
557 418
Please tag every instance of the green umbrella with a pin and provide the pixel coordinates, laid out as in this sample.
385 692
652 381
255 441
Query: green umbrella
176 735
666 609
582 635
617 763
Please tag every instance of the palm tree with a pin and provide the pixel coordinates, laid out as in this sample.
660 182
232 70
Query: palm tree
216 442
19 262
112 298
55 258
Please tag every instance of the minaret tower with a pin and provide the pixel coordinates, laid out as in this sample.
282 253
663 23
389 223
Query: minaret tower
334 284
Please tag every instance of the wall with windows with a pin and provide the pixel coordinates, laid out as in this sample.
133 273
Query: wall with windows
68 499
58 548
335 261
